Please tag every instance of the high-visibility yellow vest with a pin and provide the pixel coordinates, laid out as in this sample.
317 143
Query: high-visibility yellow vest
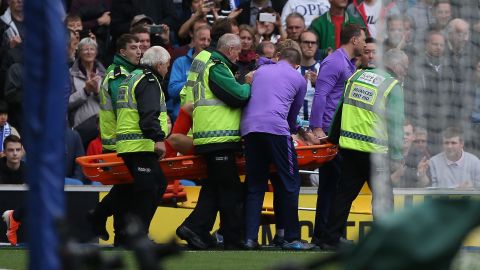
107 116
364 126
129 135
213 120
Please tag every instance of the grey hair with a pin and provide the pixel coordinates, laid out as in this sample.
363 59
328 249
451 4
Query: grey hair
394 57
86 41
420 131
155 55
228 40
295 15
453 24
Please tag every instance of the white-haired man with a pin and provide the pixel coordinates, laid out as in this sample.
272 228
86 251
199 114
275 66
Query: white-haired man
218 102
140 139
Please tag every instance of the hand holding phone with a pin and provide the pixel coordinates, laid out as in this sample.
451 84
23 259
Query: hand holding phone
267 17
156 29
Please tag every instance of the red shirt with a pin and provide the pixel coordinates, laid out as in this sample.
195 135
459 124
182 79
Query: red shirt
95 147
337 23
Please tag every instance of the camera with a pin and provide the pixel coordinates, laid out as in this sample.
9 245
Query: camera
156 29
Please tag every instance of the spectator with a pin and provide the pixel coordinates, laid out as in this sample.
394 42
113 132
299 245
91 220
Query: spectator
374 14
74 23
329 88
159 35
442 11
309 68
73 149
183 50
12 21
5 128
295 25
161 12
141 20
268 30
13 171
422 15
95 15
266 50
462 53
72 47
329 25
309 9
267 121
124 12
459 50
421 141
395 34
454 167
220 9
251 9
83 104
247 58
369 56
14 94
406 174
12 27
143 35
220 27
194 11
181 66
429 93
12 168
409 37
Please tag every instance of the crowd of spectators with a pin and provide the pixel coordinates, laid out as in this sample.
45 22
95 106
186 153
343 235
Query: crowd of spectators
440 37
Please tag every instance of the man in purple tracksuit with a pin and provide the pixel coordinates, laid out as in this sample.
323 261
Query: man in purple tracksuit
268 120
334 72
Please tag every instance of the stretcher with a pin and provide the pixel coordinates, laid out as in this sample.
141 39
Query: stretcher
109 169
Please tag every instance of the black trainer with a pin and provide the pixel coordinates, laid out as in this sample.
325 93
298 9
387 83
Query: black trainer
98 225
251 245
278 241
193 239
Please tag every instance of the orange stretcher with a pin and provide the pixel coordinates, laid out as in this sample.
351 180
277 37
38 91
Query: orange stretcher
109 169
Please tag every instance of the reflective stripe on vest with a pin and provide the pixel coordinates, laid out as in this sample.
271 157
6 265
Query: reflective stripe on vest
129 135
363 125
364 138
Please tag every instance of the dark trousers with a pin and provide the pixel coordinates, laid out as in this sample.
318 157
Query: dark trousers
262 149
357 168
328 178
221 192
141 198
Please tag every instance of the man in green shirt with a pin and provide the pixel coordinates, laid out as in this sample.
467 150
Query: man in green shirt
329 25
369 126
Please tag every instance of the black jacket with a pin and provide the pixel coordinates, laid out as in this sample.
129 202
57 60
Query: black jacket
147 94
9 176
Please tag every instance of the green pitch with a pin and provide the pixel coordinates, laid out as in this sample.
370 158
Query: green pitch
16 258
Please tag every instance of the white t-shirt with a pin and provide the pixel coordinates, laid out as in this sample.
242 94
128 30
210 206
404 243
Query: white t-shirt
309 9
373 13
